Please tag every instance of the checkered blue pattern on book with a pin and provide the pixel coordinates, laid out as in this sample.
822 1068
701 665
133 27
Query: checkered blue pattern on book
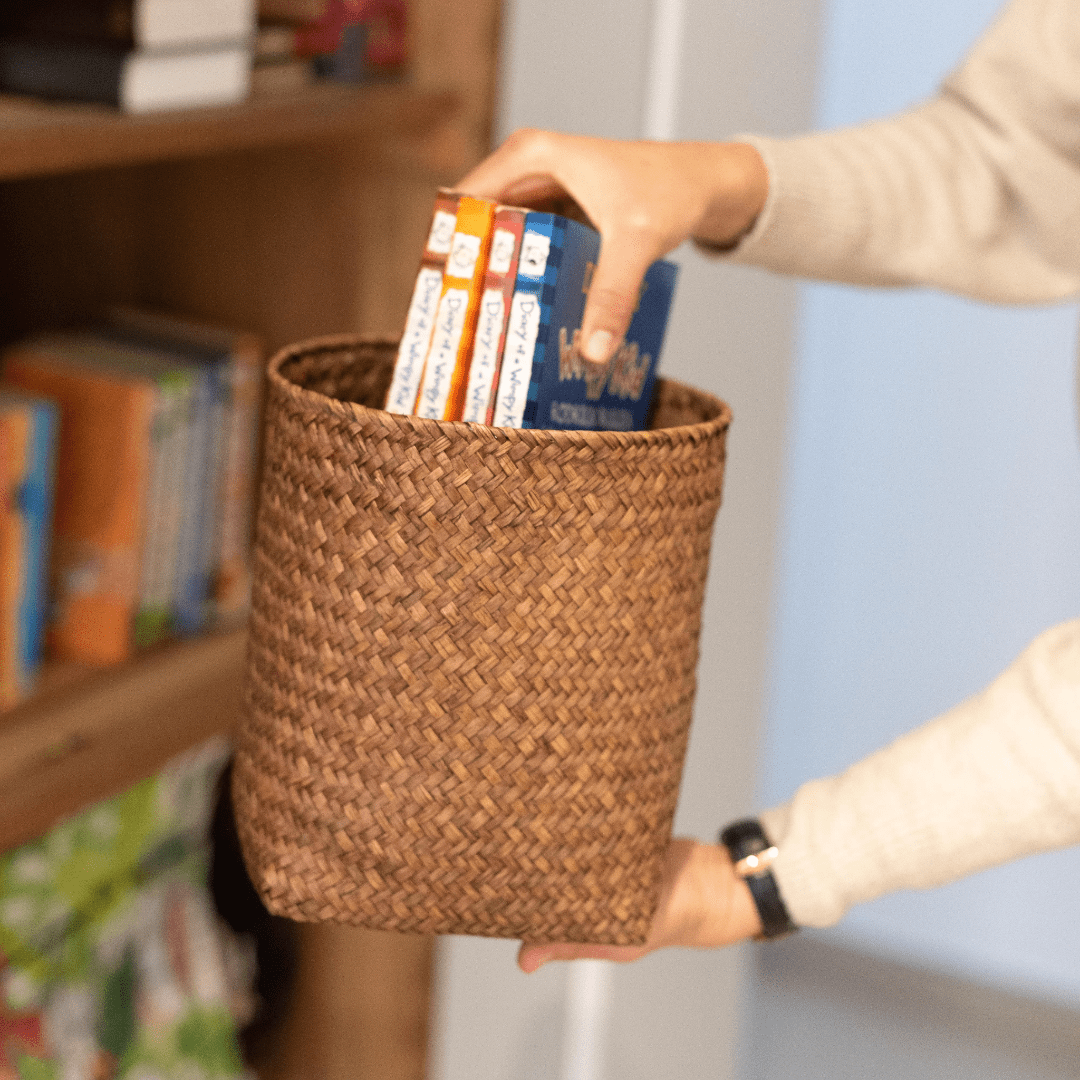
547 303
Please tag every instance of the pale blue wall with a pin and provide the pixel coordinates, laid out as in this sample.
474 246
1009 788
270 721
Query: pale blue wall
932 525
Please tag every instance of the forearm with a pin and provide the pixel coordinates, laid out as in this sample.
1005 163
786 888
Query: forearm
976 192
996 778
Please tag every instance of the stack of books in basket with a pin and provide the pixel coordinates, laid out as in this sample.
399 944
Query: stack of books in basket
494 327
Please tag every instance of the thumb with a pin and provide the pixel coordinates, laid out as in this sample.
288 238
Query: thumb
613 294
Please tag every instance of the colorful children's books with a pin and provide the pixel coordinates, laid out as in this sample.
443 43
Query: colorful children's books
420 322
235 359
28 429
103 479
489 338
507 353
446 370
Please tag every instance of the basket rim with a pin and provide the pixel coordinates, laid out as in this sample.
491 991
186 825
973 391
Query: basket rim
700 431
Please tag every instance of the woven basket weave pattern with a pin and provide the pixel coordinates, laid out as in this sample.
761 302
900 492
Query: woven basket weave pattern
472 659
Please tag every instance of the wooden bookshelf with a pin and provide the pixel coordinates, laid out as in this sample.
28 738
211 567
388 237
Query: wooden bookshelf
88 733
293 216
42 138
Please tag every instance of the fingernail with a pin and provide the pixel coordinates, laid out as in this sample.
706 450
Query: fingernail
598 346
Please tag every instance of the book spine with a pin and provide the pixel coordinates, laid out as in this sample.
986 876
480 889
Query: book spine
177 443
36 503
14 437
104 447
490 336
192 587
67 70
446 369
219 377
530 310
420 322
152 616
232 576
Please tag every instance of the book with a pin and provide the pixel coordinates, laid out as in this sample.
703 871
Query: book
102 480
28 433
446 368
545 381
420 321
135 81
495 301
614 396
231 561
171 587
530 308
133 24
193 485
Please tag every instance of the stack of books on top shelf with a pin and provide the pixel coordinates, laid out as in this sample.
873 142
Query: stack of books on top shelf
139 55
150 423
349 41
493 332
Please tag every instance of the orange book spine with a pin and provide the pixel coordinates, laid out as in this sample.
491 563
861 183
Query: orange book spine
446 371
420 322
14 435
103 471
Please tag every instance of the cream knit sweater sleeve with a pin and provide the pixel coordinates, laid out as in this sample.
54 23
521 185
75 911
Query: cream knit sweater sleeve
977 192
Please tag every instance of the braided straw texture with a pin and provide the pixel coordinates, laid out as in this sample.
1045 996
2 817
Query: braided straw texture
472 658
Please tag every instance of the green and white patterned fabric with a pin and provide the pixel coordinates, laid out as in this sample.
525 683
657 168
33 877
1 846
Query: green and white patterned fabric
113 962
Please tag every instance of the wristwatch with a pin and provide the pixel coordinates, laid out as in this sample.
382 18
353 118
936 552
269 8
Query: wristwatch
753 855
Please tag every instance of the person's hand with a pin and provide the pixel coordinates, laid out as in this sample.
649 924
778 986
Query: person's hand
646 198
702 905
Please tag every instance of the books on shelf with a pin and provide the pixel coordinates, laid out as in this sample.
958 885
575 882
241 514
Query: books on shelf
134 81
489 338
352 41
138 55
292 11
156 464
132 24
28 427
420 321
515 340
103 476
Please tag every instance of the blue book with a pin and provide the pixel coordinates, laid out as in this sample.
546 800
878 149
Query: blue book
545 382
28 439
530 314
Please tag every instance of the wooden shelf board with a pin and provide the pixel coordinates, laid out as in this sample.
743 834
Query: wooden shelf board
87 734
39 138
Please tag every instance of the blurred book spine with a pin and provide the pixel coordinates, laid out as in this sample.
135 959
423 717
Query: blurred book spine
28 429
420 321
103 474
139 55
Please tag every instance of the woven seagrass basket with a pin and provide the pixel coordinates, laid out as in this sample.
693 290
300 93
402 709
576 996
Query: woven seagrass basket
472 659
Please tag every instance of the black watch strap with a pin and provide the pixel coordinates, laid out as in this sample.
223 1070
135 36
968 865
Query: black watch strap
753 853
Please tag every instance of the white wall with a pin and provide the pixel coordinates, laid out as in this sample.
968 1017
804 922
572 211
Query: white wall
583 66
932 525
